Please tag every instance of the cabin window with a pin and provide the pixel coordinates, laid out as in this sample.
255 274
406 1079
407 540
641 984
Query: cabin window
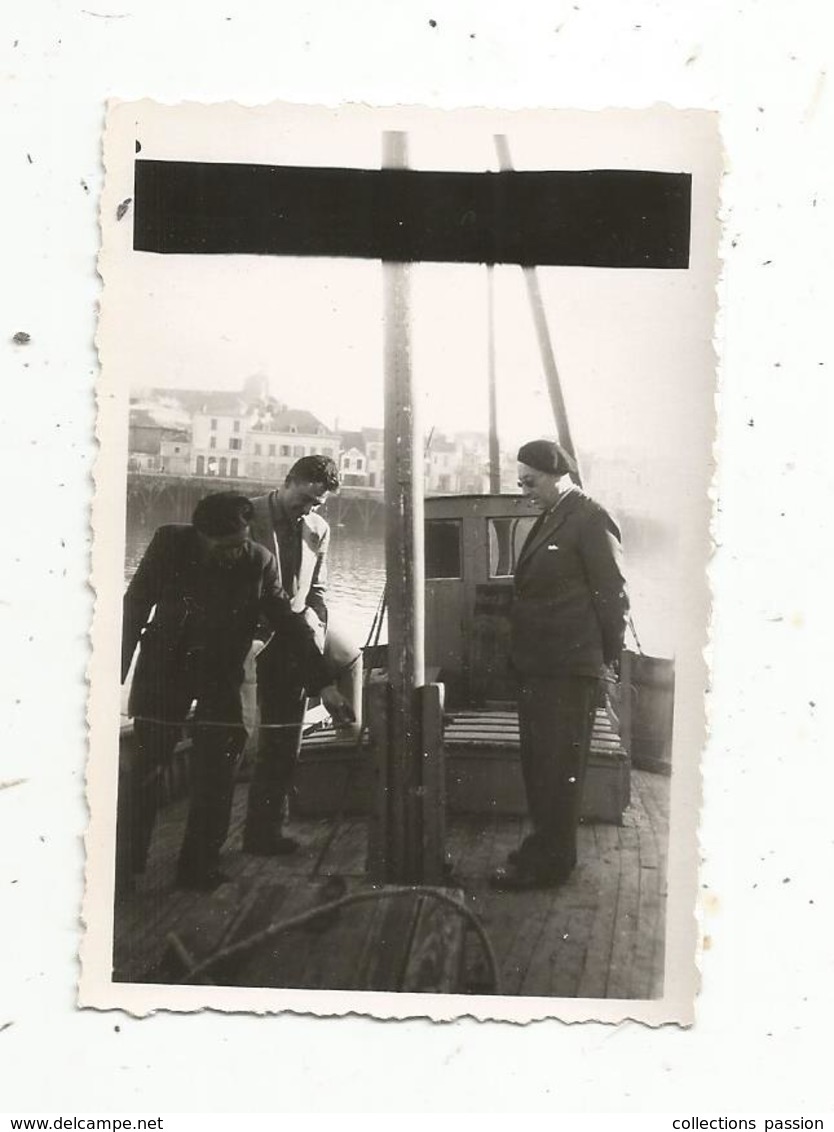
505 537
443 548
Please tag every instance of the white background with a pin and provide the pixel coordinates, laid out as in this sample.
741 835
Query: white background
760 1042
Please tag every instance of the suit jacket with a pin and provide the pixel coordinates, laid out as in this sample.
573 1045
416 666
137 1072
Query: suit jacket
306 590
204 618
570 606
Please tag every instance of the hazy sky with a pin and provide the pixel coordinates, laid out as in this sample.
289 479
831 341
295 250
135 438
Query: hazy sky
314 328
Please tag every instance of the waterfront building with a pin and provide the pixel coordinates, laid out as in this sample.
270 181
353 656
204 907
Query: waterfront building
175 452
277 436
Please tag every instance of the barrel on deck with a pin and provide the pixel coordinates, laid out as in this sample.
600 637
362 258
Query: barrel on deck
647 698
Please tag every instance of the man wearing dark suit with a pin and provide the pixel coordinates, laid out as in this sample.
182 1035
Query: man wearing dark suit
193 606
568 622
285 523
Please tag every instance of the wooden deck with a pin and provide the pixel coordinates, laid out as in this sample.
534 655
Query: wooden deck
599 936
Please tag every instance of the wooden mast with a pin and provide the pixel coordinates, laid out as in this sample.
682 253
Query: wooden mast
551 371
494 456
409 843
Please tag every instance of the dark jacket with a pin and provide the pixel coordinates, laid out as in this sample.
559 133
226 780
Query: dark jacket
204 618
570 606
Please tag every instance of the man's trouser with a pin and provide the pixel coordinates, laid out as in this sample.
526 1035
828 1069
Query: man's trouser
282 702
555 715
216 742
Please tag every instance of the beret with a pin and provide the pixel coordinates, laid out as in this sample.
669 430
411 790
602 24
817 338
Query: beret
546 456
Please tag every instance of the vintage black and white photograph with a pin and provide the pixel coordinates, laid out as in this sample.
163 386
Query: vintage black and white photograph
402 527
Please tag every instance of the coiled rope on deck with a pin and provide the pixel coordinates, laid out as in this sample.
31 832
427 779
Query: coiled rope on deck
281 926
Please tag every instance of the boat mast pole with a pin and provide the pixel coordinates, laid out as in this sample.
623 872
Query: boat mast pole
404 565
494 457
551 372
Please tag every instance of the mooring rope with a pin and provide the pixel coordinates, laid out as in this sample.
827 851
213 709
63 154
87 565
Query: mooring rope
303 918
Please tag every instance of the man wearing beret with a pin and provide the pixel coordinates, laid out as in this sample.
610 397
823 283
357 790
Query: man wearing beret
568 622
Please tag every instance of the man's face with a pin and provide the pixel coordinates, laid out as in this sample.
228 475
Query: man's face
300 497
225 550
540 488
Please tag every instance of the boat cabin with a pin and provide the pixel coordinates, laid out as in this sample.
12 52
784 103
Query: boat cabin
472 544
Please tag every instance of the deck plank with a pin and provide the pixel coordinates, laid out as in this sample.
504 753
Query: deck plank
566 971
650 953
464 841
625 918
514 921
547 953
334 954
282 960
386 967
436 953
594 978
348 853
600 934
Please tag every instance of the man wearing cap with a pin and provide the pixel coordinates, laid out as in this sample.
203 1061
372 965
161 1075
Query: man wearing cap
568 622
193 608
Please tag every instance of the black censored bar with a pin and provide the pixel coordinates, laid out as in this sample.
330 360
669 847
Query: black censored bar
593 218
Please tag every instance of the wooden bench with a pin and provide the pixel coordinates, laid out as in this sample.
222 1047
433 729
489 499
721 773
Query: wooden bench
483 772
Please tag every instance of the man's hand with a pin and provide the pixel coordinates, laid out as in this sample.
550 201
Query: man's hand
337 706
316 625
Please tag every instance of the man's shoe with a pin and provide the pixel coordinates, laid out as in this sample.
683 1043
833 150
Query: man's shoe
201 882
271 847
523 880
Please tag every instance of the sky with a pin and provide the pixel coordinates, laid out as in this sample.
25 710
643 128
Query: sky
314 327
